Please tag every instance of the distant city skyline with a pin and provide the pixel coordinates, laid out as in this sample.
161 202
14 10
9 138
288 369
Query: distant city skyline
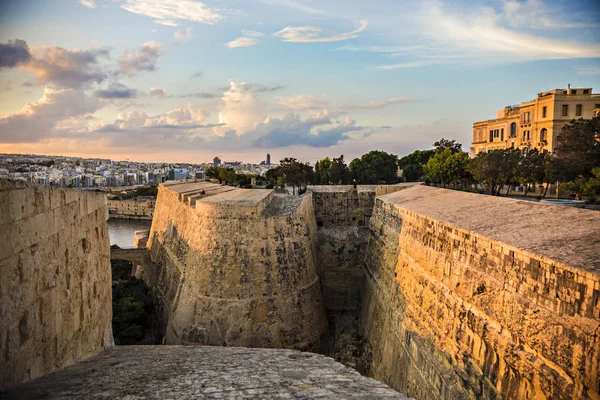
186 81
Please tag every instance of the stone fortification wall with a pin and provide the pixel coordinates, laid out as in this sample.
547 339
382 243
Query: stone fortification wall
237 267
477 297
343 215
342 205
55 279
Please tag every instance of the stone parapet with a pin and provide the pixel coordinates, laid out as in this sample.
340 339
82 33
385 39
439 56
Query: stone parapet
237 267
462 301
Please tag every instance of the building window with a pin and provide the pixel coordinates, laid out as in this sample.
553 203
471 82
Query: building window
543 135
491 136
513 129
578 110
565 110
544 110
573 91
586 91
502 134
528 138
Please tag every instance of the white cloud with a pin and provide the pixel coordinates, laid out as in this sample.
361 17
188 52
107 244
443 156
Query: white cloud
88 3
242 42
481 36
181 116
184 37
303 102
158 92
142 59
66 67
536 14
166 22
251 33
167 12
240 109
292 130
39 119
590 71
308 34
379 104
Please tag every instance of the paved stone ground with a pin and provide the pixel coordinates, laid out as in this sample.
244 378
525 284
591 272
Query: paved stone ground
202 372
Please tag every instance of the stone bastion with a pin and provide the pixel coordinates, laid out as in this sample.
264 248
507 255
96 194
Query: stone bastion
456 295
237 267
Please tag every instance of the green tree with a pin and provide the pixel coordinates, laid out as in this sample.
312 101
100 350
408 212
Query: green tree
339 172
322 168
448 168
295 173
486 168
577 149
509 168
375 167
444 144
133 309
212 172
586 187
412 165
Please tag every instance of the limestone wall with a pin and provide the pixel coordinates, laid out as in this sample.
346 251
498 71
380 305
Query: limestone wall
339 205
237 268
343 215
55 279
476 297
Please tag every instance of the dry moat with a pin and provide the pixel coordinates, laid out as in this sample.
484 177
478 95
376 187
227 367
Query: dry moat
439 294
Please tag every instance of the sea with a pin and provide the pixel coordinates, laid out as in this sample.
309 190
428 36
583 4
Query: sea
121 231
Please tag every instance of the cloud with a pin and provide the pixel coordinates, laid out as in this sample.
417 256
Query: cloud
250 33
39 119
70 68
201 95
88 3
13 53
293 130
482 35
250 38
166 22
183 37
300 103
196 75
240 109
379 104
157 92
535 14
242 42
260 88
167 12
589 71
7 87
309 34
116 91
177 117
142 59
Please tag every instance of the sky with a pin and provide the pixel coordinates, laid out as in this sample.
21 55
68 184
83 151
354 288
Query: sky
185 80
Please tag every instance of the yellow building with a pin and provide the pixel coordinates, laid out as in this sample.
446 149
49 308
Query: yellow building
535 123
138 208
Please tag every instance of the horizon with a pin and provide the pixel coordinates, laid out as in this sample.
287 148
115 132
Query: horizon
185 81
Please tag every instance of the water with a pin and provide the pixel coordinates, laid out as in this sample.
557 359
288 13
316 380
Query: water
121 231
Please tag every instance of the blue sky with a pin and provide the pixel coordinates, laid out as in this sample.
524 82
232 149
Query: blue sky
183 80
